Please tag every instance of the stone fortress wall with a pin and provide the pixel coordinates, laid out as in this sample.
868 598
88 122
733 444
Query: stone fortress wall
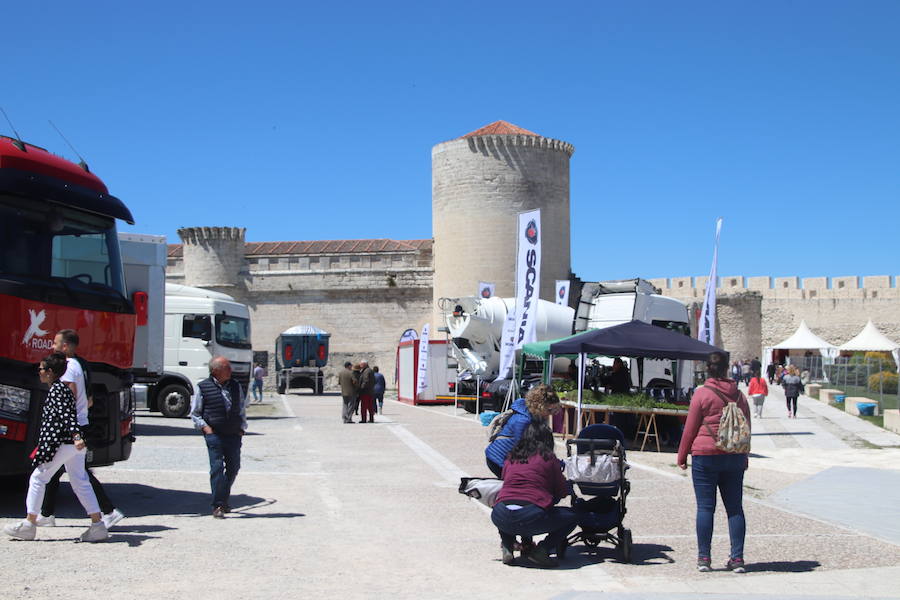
365 293
755 312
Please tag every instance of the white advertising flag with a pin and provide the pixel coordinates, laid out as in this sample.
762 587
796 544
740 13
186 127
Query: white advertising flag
562 292
485 290
507 342
422 376
706 327
528 286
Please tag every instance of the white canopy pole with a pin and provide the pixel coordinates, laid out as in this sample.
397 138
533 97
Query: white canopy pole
580 390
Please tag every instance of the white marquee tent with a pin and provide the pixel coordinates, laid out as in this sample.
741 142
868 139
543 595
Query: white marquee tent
872 340
802 339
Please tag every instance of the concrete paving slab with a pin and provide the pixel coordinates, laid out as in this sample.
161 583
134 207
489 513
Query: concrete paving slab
864 499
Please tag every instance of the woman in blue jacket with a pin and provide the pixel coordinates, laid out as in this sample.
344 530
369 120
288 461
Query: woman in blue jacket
539 403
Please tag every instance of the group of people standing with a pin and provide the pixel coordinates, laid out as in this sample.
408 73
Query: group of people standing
62 445
362 391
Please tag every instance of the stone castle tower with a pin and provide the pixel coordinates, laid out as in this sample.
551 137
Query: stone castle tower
480 182
214 258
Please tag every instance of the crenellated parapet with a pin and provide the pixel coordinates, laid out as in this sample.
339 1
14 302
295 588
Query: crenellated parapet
793 287
213 256
491 143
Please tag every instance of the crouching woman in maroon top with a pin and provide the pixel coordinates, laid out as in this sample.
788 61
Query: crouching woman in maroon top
532 484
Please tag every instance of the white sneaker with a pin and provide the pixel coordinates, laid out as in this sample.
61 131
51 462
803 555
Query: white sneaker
95 533
23 530
111 518
43 521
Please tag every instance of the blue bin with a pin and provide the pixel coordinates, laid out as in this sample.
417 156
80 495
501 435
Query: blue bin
866 409
840 398
488 416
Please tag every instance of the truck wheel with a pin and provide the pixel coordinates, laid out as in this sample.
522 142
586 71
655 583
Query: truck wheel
282 384
174 401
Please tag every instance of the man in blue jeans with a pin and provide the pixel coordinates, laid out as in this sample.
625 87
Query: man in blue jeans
218 409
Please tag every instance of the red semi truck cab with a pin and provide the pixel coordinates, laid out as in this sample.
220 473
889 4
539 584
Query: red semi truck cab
60 269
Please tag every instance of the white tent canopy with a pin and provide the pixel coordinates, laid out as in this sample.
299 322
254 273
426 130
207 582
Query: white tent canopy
805 339
802 339
872 340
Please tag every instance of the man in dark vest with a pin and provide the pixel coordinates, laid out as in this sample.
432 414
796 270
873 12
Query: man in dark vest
218 410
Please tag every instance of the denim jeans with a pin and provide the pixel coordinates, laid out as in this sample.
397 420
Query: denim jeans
257 388
725 472
224 464
557 522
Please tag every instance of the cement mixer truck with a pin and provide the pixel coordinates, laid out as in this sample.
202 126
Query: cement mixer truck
475 327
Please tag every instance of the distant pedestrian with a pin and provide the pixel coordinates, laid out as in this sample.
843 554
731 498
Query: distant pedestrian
366 393
258 374
380 386
218 409
356 370
77 378
712 468
745 372
348 391
793 387
758 391
770 372
736 371
59 444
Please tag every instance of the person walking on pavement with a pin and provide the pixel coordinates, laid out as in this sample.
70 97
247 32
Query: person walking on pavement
77 378
712 468
348 391
793 387
758 391
770 372
59 444
380 386
356 369
366 392
218 409
258 374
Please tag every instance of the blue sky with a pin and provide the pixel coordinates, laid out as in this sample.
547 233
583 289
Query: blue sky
317 122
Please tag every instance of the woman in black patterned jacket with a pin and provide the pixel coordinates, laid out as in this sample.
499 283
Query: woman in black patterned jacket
59 443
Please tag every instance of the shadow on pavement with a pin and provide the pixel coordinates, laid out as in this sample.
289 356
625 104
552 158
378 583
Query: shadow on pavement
788 566
148 430
133 541
135 500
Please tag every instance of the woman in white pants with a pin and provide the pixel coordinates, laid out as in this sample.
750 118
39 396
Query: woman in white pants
59 443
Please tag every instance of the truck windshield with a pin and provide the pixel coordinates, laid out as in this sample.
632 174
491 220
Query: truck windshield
48 243
233 331
676 326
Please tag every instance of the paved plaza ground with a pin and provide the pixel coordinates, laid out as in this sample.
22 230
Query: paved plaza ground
330 510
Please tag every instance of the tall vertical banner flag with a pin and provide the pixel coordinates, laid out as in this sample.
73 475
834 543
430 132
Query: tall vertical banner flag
562 292
485 290
706 327
520 328
422 376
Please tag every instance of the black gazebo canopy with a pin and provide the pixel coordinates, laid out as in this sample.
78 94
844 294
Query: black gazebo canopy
635 340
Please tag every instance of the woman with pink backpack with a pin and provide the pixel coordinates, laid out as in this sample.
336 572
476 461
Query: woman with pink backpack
717 436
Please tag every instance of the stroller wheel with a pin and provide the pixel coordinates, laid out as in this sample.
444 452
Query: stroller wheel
625 545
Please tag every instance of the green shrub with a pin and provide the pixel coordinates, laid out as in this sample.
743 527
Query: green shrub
884 360
885 382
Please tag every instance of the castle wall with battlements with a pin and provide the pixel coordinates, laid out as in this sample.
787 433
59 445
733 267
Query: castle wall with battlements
835 308
367 298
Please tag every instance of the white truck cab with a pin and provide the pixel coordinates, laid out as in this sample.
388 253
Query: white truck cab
200 324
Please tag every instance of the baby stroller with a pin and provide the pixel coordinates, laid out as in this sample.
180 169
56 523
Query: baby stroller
597 469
